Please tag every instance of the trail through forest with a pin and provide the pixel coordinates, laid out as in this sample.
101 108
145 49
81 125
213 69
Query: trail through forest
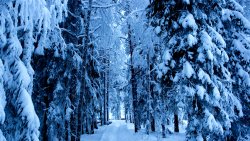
119 130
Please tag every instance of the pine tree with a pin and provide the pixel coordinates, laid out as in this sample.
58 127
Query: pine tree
236 35
19 23
2 100
2 90
195 58
17 91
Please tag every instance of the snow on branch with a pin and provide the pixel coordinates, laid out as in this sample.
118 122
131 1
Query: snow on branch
104 6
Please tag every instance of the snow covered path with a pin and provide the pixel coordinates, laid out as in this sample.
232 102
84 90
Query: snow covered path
121 131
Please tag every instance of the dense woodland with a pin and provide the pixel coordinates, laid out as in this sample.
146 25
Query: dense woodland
65 65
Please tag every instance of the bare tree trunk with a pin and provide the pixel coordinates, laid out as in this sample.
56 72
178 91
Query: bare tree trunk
163 130
149 93
176 123
45 126
104 99
85 55
152 124
74 137
101 116
131 47
108 71
68 132
105 93
133 82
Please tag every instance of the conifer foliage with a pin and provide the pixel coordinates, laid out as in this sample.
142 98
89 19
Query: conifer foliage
196 57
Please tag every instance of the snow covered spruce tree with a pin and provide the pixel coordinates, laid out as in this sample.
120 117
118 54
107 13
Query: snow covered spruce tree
140 47
236 34
80 30
50 65
145 56
72 28
130 46
2 100
130 24
21 22
2 90
194 58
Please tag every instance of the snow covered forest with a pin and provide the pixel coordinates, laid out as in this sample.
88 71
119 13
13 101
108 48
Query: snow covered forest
74 68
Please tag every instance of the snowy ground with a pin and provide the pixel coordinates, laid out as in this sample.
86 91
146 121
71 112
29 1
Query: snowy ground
121 131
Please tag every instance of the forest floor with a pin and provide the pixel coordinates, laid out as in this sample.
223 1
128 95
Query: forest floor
119 130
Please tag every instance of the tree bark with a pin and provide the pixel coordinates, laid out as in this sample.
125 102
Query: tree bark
108 62
104 99
163 131
134 92
45 126
152 124
176 123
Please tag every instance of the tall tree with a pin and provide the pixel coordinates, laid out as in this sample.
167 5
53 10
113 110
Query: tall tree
195 57
21 23
237 35
131 46
49 54
2 100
